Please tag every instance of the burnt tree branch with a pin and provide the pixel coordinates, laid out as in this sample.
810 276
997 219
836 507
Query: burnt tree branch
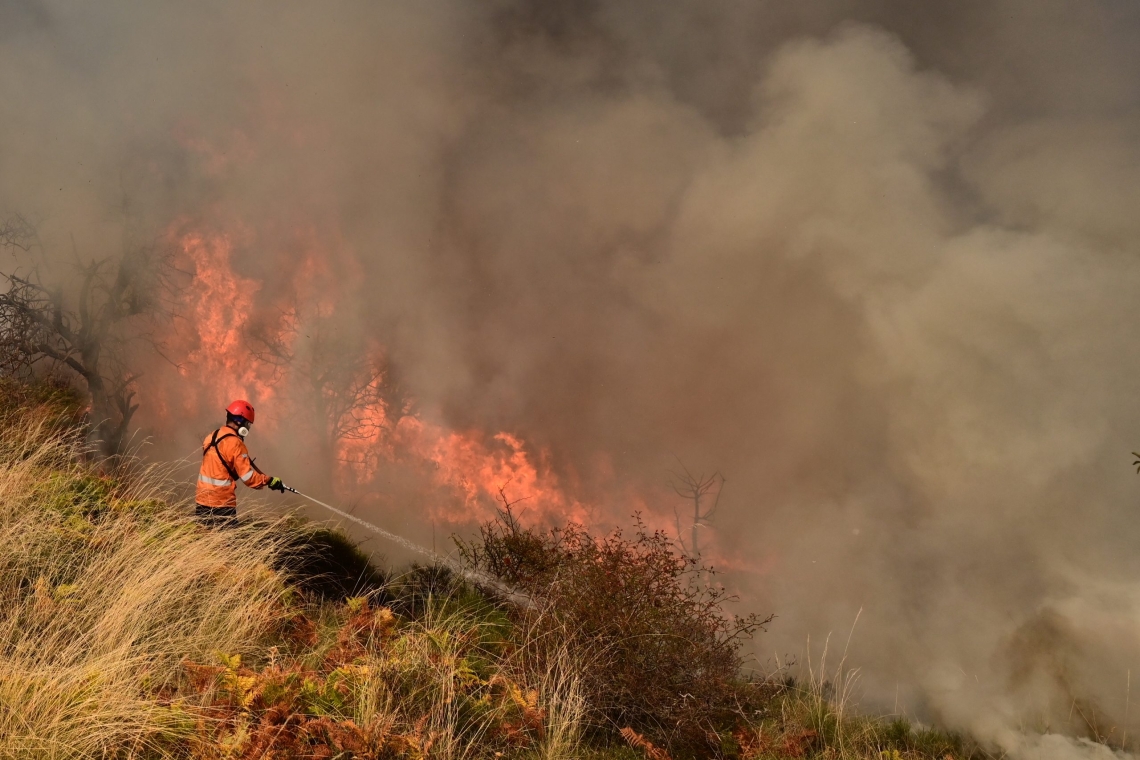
697 490
85 329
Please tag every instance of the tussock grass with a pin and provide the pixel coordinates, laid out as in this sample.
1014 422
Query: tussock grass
818 716
104 589
803 722
127 630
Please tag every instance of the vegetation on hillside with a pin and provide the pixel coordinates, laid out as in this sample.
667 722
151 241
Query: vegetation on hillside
129 631
664 658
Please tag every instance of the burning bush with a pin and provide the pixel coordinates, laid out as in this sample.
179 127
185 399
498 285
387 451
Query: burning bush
657 651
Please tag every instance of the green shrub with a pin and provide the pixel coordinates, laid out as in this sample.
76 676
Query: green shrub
416 591
328 564
26 399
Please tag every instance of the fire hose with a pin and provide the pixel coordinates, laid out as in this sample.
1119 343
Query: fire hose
474 576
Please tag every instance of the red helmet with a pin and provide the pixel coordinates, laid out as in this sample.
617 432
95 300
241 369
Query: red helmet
241 408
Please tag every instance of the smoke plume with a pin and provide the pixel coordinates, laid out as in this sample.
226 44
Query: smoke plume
875 262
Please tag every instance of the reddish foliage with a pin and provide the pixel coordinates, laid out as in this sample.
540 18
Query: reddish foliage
640 742
798 744
287 710
367 628
660 655
300 630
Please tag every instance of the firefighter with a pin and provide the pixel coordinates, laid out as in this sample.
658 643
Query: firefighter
225 461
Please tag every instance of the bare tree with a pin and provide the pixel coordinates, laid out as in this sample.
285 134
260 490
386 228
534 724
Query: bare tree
83 332
339 385
699 490
16 232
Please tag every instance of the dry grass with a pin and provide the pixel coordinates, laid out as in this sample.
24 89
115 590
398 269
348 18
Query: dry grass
127 630
364 683
818 717
103 590
560 690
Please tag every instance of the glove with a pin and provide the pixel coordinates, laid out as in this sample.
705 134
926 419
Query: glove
275 484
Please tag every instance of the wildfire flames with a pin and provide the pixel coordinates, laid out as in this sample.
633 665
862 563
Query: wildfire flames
475 469
470 467
219 305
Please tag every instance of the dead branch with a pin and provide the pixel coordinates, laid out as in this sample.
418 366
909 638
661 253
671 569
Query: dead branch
86 333
696 489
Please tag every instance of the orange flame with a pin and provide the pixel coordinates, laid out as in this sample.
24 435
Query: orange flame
209 342
485 474
477 470
472 472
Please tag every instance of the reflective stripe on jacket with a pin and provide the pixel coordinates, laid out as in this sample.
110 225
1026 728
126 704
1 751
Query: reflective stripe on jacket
216 486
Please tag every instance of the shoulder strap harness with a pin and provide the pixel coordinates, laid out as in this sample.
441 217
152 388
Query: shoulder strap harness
213 444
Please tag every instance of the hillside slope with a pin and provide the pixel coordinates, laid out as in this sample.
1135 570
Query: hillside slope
129 631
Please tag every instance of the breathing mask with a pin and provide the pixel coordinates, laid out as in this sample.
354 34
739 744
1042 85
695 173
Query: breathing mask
243 425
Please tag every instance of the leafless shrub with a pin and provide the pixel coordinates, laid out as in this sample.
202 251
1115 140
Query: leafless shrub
699 490
661 654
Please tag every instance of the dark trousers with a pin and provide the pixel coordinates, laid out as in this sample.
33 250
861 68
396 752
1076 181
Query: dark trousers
216 517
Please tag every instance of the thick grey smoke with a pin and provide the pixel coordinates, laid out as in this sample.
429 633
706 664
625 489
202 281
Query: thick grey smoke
875 261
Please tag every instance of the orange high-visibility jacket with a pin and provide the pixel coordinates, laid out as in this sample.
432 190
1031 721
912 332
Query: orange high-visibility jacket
225 460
